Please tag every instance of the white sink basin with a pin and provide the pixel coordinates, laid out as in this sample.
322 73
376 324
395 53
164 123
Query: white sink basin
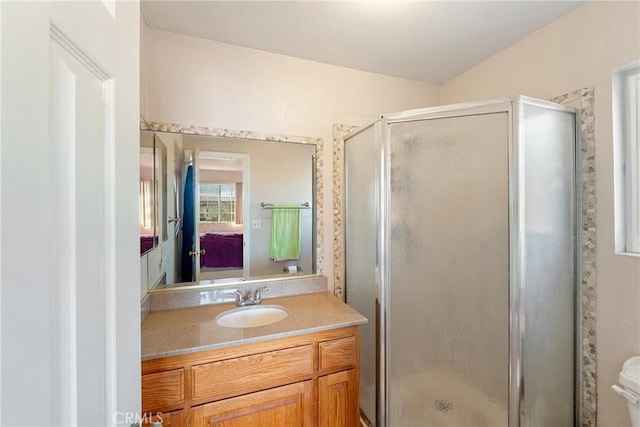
252 316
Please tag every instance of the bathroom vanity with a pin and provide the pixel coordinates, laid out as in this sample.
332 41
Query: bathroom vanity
302 370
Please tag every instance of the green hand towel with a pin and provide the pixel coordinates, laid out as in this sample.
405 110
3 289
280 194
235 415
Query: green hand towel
285 233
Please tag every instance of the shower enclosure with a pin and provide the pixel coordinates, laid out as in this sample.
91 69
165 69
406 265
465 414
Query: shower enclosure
461 238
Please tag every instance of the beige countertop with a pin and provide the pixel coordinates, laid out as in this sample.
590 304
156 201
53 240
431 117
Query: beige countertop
186 330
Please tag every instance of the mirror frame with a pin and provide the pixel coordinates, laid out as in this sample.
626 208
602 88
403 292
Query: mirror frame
240 135
339 132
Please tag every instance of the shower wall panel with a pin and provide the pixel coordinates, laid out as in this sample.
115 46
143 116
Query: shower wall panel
548 279
360 210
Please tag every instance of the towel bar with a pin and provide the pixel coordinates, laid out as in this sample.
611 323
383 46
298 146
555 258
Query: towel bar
304 205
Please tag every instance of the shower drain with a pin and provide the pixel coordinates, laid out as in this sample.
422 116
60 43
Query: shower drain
442 405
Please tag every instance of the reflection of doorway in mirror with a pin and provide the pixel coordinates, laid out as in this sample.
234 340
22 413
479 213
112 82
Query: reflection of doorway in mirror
222 194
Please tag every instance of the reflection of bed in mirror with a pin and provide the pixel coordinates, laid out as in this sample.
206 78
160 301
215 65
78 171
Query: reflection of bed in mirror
147 241
222 252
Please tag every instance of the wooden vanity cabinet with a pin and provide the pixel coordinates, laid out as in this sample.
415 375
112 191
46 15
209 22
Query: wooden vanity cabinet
306 380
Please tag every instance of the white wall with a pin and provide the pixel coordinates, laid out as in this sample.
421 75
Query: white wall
144 64
577 51
200 82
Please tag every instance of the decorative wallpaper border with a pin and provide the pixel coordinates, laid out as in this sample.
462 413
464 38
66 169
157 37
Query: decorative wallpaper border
583 100
266 137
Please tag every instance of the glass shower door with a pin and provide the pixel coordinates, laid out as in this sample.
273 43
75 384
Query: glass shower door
448 272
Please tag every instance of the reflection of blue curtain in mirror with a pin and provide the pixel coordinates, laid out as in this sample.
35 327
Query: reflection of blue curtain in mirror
188 227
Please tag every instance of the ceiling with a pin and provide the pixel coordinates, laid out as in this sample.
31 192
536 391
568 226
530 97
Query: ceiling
431 41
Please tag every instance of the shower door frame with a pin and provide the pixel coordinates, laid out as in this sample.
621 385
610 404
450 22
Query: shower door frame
380 134
516 222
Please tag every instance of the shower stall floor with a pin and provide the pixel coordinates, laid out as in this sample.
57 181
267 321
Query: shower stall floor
439 397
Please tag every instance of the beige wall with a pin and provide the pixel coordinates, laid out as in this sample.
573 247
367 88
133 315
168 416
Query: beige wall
577 51
200 82
220 177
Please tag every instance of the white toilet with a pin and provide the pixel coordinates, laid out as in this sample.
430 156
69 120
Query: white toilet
629 388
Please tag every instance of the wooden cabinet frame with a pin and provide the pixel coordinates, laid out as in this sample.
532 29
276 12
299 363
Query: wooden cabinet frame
318 360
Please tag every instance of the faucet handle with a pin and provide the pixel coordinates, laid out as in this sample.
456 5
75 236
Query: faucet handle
240 301
257 297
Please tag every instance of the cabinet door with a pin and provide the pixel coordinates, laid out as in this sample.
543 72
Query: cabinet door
290 405
338 399
168 419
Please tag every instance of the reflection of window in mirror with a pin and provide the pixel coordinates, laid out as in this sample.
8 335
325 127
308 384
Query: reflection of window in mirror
218 202
146 206
147 200
152 191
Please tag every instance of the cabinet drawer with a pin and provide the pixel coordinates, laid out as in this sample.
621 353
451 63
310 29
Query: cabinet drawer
162 390
233 377
337 353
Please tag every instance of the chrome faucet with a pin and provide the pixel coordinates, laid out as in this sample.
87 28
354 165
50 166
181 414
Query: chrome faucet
246 299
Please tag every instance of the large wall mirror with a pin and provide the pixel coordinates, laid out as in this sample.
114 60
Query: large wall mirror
238 206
